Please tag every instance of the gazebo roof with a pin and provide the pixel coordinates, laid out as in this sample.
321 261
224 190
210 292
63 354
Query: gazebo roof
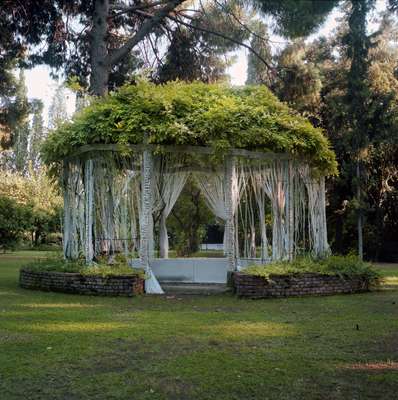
196 114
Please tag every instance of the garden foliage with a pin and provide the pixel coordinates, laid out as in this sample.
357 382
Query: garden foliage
176 113
102 267
345 266
15 219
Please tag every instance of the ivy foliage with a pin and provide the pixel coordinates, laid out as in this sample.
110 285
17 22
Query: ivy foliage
57 263
345 266
197 114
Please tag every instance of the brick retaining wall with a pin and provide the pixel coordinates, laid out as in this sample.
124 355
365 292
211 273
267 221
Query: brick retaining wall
257 287
120 285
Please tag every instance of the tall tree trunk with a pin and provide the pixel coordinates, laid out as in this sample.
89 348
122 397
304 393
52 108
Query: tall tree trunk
357 94
360 212
100 66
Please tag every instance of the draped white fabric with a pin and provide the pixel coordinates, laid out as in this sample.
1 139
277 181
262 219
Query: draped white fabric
146 222
170 179
116 195
261 200
74 209
213 188
277 182
110 201
89 210
273 181
317 212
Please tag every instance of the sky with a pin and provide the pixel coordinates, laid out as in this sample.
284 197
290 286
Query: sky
41 86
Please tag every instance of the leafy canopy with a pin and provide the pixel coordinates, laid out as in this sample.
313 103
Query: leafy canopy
177 113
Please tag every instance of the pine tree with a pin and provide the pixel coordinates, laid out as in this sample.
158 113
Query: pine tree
257 71
57 112
21 130
37 134
358 45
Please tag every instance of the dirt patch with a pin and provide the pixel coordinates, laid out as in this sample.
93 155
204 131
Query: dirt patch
374 366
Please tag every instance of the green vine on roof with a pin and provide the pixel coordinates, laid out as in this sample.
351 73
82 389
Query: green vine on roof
177 113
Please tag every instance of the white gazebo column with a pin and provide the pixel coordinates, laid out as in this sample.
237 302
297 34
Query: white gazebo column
89 210
230 199
146 208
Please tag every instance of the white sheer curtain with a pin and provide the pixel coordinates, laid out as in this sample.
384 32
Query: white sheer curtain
213 187
261 200
317 212
170 189
274 180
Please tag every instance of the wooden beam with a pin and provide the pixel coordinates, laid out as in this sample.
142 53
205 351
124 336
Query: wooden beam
259 155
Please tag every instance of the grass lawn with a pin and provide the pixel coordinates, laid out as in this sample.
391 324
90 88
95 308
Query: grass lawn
55 346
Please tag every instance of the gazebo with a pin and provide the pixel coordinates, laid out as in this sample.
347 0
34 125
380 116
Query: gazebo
126 158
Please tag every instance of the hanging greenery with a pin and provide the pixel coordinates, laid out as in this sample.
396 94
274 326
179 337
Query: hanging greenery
177 113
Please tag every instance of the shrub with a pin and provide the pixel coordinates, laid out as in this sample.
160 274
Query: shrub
344 266
58 264
15 219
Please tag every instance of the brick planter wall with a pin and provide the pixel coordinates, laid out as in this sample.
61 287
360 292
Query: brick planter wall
256 287
121 285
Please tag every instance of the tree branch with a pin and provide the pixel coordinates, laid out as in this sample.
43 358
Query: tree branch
146 28
215 33
123 9
221 35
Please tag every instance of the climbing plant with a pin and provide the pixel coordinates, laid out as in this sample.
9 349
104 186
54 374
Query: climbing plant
176 113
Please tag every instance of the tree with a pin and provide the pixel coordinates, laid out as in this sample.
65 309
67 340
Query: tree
7 92
95 37
21 129
257 71
23 25
297 18
37 193
358 45
15 219
332 60
197 55
298 81
57 112
37 133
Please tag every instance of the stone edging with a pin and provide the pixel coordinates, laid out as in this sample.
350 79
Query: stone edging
310 284
116 285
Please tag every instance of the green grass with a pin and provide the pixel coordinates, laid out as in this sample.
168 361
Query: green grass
55 346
